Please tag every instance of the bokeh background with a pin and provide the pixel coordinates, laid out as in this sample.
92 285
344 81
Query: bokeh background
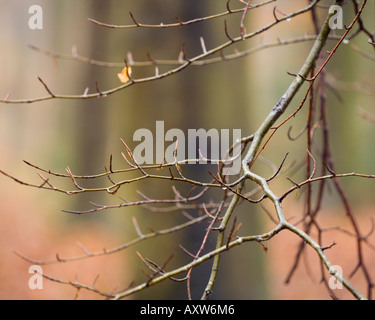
82 134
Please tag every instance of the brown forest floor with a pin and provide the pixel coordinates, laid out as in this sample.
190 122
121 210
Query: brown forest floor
36 238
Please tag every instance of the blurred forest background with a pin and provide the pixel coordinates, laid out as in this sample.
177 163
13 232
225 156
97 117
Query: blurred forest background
82 134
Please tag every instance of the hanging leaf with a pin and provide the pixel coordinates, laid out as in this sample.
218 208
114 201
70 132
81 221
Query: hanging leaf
124 76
